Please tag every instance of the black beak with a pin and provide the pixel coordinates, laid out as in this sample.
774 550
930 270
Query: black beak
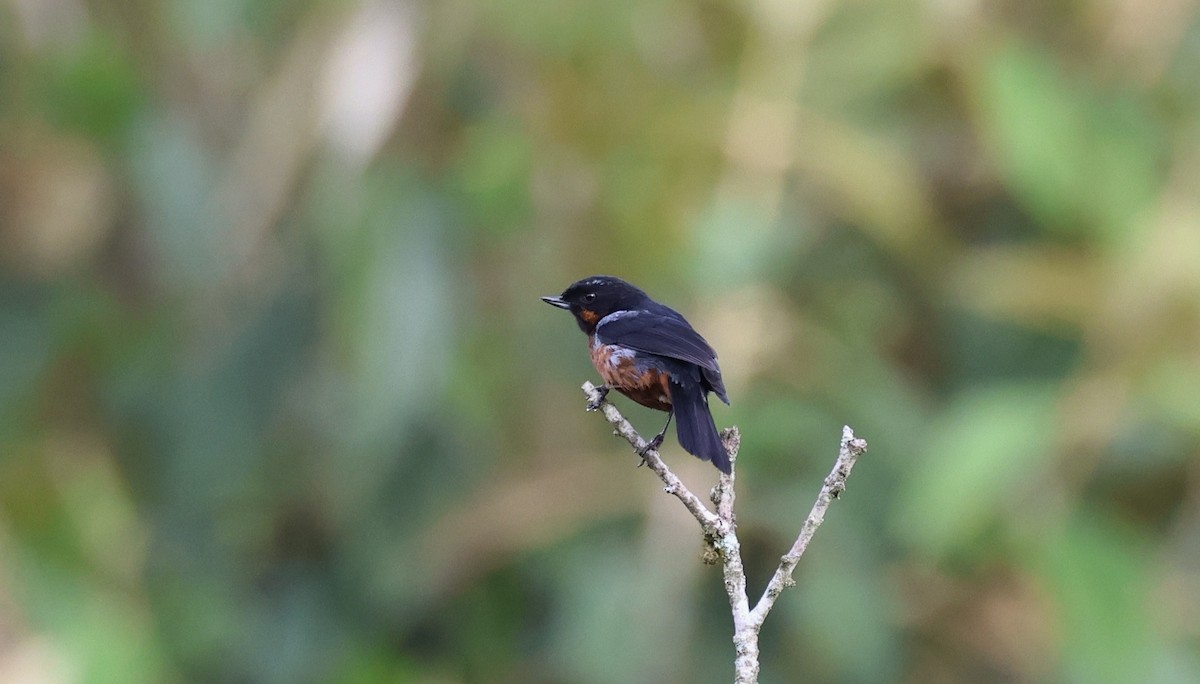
557 302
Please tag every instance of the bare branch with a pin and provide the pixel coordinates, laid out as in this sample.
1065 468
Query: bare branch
835 484
723 494
673 485
720 527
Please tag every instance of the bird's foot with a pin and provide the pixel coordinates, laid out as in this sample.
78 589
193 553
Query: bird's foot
593 403
652 445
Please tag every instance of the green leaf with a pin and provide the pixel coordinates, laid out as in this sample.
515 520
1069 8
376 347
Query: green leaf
988 445
1082 161
1097 576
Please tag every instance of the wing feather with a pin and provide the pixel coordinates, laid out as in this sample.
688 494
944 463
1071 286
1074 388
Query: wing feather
664 335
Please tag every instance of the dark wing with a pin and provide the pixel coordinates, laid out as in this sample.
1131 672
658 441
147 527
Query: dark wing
664 334
657 334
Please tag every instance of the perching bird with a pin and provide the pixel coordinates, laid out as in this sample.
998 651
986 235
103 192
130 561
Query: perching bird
651 354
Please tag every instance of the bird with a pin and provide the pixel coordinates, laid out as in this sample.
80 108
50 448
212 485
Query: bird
651 354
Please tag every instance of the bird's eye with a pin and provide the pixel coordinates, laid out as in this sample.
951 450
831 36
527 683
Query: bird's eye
589 297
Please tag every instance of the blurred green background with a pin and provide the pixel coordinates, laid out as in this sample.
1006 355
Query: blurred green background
279 403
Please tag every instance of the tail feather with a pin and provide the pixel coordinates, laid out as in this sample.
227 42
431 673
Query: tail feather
695 426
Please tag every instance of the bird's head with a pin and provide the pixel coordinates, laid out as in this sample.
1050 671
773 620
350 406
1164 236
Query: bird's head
595 297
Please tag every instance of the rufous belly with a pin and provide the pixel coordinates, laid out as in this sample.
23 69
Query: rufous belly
618 368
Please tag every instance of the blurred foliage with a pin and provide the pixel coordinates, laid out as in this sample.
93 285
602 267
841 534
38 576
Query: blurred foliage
278 402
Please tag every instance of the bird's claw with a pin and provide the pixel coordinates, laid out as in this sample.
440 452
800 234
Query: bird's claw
594 402
652 445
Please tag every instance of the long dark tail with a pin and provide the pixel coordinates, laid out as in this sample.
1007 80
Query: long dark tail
695 427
